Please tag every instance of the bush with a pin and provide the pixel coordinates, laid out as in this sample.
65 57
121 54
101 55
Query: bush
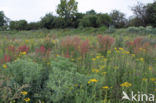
62 78
24 71
132 29
88 21
103 20
18 25
34 26
48 21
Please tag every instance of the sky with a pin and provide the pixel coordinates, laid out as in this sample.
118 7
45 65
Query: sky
33 10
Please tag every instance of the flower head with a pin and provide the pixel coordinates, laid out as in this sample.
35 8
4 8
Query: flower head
105 87
27 99
24 93
92 81
4 66
126 84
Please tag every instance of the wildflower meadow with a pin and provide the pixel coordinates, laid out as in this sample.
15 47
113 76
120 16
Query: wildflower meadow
58 66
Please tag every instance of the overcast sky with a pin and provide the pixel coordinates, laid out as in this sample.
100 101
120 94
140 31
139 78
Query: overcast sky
33 10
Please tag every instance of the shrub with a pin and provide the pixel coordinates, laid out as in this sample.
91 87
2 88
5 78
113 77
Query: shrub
88 21
62 78
24 71
18 25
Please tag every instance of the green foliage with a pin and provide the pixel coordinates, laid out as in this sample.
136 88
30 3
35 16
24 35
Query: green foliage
151 14
141 29
18 25
48 21
3 21
103 20
24 71
61 80
91 12
95 20
118 19
34 26
67 8
88 21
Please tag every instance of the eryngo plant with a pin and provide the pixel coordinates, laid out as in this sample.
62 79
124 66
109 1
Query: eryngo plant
62 78
24 71
63 64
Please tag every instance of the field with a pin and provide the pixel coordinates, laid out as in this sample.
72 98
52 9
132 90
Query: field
77 66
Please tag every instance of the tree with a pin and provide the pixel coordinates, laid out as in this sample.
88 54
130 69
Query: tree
151 14
91 12
18 25
3 21
118 19
88 21
67 10
140 14
103 20
48 21
34 26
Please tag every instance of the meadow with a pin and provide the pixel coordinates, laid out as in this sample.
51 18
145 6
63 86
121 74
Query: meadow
90 65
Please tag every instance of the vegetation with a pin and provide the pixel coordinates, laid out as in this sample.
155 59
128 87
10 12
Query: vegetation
76 66
79 57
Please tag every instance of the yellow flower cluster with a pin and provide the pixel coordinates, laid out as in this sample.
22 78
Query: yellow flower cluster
95 70
27 99
105 87
153 79
24 93
23 53
126 84
4 66
92 81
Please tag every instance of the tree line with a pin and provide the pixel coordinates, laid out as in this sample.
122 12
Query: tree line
69 17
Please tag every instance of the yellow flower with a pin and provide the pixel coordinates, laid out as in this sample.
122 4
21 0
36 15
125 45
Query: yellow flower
24 93
142 59
27 99
26 41
115 48
23 53
108 52
133 55
93 59
95 70
127 52
126 84
153 79
104 73
97 57
105 87
121 49
53 41
105 59
92 81
4 66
